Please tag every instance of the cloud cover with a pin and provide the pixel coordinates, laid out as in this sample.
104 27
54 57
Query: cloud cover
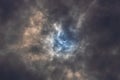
24 24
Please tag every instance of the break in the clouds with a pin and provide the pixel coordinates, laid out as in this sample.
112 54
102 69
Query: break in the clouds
34 33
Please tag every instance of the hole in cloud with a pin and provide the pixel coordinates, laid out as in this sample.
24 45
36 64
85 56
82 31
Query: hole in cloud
62 41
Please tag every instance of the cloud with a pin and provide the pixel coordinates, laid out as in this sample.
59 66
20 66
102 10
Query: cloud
25 57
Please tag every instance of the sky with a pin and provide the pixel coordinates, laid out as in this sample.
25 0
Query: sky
27 30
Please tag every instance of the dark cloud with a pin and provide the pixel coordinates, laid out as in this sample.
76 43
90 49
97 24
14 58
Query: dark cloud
11 65
8 8
100 29
13 68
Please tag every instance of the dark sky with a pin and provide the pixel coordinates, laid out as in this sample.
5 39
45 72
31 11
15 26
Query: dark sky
100 32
